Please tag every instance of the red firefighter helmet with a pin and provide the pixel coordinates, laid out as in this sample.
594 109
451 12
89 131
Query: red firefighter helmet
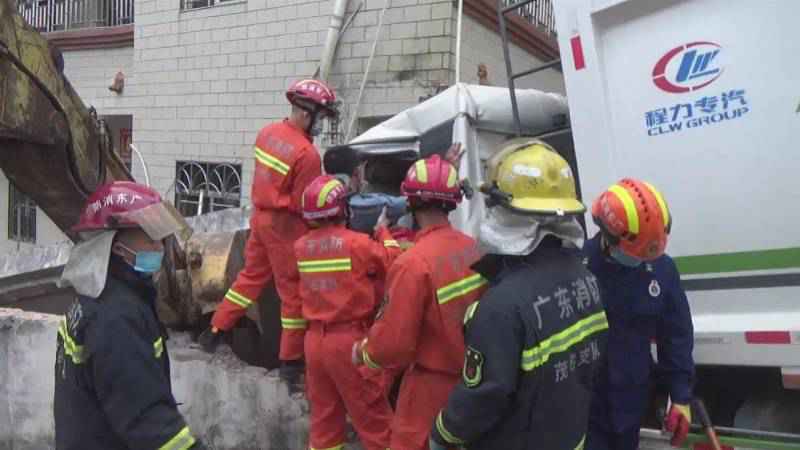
311 95
324 198
634 217
125 204
432 179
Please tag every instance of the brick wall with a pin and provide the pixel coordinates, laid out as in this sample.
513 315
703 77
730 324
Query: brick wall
207 80
91 72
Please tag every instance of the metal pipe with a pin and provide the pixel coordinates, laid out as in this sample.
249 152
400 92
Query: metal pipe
509 71
549 65
337 16
144 164
458 40
366 73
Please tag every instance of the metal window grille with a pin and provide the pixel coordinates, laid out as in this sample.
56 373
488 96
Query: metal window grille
202 187
59 15
21 216
194 4
539 13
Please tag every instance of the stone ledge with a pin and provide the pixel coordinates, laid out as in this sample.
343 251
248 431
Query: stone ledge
93 38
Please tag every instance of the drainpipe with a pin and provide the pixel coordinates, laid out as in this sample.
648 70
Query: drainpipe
339 7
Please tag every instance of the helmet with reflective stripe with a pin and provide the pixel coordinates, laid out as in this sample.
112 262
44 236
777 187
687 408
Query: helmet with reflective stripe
528 176
432 180
125 204
312 95
324 198
634 217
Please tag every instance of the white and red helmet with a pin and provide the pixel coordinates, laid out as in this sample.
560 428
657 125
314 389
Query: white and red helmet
312 95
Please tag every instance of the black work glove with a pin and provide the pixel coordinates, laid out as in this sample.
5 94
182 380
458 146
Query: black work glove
210 339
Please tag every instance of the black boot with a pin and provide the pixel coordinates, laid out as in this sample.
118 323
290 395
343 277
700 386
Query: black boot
291 372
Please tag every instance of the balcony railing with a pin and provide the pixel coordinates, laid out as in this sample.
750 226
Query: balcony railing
62 15
539 13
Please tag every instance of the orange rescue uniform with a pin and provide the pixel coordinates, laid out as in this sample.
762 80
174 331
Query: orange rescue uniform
338 268
286 162
429 289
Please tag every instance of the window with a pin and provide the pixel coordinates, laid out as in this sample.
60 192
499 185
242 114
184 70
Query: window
202 187
21 216
194 4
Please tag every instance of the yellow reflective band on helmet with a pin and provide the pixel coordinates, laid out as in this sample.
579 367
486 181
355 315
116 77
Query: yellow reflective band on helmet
323 194
661 203
630 207
182 441
452 178
76 352
335 447
445 433
470 311
459 288
391 243
422 171
238 299
325 265
581 443
158 347
557 343
271 162
293 324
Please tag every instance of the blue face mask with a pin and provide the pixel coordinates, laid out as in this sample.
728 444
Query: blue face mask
148 262
624 259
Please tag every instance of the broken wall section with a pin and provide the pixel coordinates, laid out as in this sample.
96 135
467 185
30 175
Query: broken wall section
230 405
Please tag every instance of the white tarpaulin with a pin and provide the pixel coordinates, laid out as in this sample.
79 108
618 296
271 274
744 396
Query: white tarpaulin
480 117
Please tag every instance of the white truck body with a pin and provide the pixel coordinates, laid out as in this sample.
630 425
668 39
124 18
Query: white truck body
701 98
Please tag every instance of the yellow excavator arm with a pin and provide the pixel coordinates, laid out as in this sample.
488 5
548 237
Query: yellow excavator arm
51 146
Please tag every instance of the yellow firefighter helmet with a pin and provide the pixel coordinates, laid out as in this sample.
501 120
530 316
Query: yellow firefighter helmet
530 177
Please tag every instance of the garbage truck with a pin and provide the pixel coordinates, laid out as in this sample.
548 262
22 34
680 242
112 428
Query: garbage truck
700 98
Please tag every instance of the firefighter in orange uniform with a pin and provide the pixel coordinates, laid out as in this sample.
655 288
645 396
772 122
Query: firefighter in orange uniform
429 288
286 162
338 268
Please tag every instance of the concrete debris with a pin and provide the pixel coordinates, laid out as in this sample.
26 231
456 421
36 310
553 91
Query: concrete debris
230 405
34 258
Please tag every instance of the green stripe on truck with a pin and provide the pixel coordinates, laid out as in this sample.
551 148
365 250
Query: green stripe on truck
781 258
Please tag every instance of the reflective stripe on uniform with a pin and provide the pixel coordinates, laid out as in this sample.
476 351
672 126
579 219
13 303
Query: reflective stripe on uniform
446 434
367 360
391 243
630 207
238 299
559 342
293 324
581 443
325 265
158 347
323 193
181 441
661 203
335 447
459 288
422 171
272 162
452 178
71 348
470 311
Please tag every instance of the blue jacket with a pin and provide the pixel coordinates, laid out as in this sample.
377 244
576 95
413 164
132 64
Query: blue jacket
642 304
